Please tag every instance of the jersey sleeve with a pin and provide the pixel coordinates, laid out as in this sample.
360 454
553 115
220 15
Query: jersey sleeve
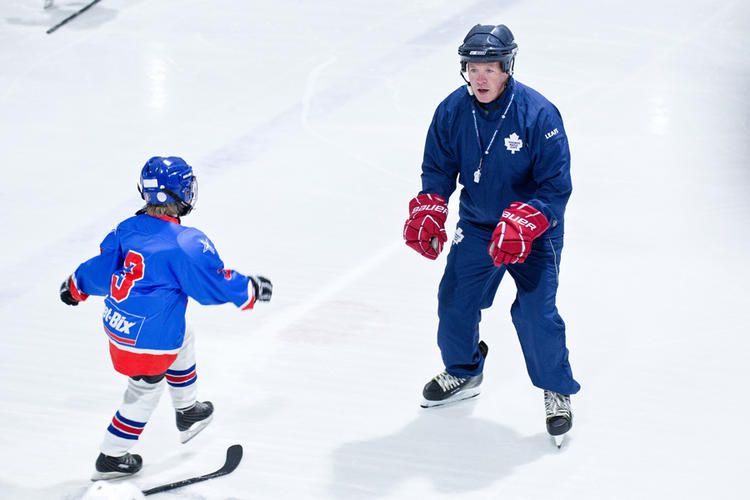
551 165
439 165
93 277
202 275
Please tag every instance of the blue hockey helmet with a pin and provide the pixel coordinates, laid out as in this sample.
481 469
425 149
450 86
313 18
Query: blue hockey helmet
487 43
169 180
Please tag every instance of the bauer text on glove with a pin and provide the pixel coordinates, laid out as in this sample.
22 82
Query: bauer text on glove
424 230
519 225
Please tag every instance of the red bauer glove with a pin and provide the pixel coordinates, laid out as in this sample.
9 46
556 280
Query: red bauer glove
518 226
424 230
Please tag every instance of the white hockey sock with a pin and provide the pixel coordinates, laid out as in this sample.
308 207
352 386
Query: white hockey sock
138 404
182 376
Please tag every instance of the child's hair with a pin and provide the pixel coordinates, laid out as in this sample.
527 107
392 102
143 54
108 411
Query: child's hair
156 210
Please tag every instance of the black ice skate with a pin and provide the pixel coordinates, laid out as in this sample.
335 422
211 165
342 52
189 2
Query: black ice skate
446 388
559 415
111 467
193 419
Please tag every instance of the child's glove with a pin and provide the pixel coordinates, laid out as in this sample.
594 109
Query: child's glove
70 294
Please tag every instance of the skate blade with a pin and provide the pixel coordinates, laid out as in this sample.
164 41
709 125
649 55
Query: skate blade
105 476
558 440
461 396
194 429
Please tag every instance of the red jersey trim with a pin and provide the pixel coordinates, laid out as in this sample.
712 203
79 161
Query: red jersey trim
132 363
75 292
166 218
250 297
119 339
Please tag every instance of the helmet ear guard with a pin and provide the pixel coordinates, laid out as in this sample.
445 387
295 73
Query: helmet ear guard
183 207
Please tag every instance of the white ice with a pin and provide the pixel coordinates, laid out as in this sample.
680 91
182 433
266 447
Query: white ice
305 122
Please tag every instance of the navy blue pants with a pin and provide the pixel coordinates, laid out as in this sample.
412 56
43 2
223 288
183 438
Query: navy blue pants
469 285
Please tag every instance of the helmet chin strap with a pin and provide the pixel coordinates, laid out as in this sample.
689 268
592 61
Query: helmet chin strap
183 207
468 85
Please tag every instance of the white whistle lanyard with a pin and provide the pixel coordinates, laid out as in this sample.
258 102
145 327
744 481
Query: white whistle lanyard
486 152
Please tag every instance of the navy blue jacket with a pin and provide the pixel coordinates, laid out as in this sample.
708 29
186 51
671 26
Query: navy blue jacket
529 160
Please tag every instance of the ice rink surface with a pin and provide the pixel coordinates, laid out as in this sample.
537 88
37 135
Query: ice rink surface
305 123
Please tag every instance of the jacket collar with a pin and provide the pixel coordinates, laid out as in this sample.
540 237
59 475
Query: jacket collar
166 218
493 110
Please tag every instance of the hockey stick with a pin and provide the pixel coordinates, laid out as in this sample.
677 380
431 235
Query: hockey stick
73 15
234 455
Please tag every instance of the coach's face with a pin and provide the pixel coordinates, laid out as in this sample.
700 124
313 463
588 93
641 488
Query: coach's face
487 80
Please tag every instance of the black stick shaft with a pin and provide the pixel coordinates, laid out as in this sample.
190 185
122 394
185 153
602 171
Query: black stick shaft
234 455
73 15
179 484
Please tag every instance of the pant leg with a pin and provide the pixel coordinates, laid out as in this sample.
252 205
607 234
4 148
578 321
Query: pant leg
141 397
182 376
540 328
468 285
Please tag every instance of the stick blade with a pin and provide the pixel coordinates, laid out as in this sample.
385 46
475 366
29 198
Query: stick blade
234 457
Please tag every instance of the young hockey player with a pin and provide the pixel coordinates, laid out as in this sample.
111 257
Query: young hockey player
148 267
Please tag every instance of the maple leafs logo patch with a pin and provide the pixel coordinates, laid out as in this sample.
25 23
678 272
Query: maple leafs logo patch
513 143
458 236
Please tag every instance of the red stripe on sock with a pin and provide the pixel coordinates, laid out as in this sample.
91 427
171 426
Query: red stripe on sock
125 428
182 378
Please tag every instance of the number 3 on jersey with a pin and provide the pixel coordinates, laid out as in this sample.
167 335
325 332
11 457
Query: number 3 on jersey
133 271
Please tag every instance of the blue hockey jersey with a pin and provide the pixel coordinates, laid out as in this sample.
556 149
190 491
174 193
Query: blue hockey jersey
528 161
147 269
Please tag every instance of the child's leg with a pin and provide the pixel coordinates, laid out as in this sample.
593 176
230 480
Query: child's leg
181 375
139 402
191 416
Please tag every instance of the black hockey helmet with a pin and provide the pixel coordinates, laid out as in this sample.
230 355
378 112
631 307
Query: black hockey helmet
487 43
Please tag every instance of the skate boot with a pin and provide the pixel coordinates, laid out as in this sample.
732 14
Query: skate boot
111 467
445 388
559 415
193 419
